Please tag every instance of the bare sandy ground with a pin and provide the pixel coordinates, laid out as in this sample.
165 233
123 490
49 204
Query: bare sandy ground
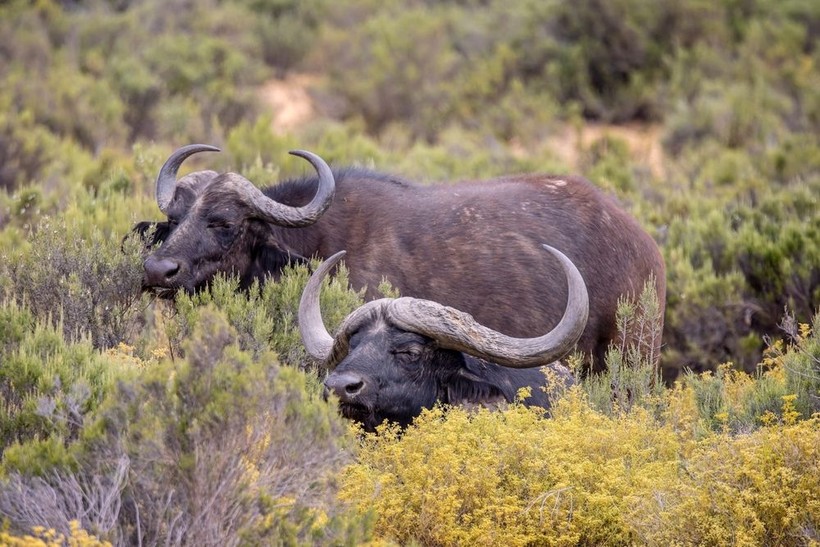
292 106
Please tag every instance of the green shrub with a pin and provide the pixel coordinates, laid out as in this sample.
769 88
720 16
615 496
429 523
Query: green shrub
33 160
93 90
287 29
86 281
403 76
48 385
254 148
607 163
219 447
632 376
264 317
736 257
745 115
69 103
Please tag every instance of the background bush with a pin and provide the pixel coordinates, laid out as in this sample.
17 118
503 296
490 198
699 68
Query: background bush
97 94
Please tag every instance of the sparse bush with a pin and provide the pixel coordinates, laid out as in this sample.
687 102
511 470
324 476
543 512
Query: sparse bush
48 386
217 448
632 376
66 501
265 317
47 538
86 282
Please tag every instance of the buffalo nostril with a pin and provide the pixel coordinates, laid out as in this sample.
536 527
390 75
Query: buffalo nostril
354 388
171 268
158 272
346 386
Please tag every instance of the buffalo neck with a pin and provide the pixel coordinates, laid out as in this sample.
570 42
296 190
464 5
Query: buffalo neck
342 223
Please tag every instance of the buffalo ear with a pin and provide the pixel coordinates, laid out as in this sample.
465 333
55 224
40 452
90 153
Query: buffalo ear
466 389
151 233
269 260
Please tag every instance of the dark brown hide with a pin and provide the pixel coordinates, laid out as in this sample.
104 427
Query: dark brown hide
476 246
473 245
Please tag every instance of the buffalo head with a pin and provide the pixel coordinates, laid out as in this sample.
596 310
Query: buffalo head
221 223
391 358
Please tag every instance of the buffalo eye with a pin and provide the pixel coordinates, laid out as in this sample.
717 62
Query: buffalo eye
410 349
219 223
354 340
223 228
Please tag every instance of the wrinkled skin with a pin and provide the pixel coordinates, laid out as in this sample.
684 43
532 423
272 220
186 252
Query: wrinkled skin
393 375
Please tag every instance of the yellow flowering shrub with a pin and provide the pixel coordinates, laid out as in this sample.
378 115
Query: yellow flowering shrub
761 488
47 537
511 477
582 477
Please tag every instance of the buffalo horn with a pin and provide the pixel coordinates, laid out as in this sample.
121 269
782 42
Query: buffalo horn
167 178
295 217
450 328
317 340
270 210
457 330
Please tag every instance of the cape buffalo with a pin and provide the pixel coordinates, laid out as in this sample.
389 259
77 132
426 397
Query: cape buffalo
471 245
393 357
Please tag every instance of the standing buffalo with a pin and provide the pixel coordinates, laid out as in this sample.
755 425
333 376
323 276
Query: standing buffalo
393 357
472 245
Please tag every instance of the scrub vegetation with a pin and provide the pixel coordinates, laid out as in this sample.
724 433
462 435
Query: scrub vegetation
129 420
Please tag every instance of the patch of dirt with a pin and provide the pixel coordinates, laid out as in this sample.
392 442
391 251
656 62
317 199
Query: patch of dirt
291 104
289 101
642 140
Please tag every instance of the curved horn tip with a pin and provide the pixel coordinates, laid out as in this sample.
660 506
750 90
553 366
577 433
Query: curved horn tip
300 153
166 179
317 340
306 154
333 259
207 147
190 149
552 249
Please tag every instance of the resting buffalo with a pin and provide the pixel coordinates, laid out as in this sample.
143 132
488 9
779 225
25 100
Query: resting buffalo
393 357
471 245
